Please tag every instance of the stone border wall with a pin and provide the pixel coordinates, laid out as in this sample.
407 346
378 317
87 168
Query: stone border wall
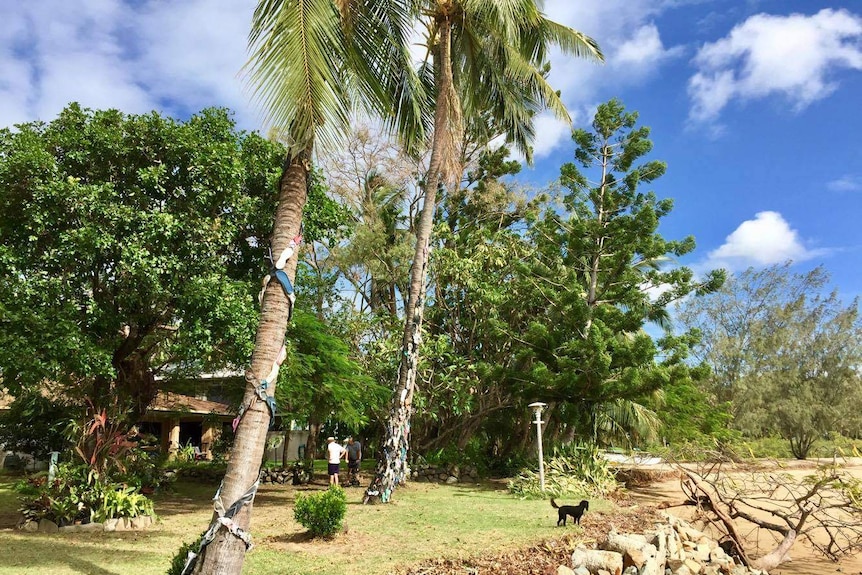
444 473
122 524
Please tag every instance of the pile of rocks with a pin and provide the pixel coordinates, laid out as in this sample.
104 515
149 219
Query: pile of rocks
122 524
282 475
444 473
673 548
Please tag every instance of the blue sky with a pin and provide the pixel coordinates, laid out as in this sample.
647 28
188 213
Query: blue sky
754 104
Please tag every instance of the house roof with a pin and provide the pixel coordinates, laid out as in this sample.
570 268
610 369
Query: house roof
169 402
165 402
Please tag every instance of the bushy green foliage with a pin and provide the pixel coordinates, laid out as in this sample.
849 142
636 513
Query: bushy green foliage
784 353
78 495
179 559
571 470
199 470
143 472
113 226
35 424
321 513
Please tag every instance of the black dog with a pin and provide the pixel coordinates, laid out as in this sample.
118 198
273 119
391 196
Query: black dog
576 511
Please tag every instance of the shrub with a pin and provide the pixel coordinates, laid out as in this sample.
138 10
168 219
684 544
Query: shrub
182 555
572 470
78 495
321 513
35 424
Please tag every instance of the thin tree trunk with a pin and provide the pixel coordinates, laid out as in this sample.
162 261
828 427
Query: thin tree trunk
392 461
311 442
225 554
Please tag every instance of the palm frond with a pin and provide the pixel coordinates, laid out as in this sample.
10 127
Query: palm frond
296 70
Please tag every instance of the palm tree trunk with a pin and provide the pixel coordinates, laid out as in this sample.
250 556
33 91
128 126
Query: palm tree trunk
225 554
392 462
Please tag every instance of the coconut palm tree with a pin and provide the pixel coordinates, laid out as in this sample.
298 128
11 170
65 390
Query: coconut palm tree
487 57
312 64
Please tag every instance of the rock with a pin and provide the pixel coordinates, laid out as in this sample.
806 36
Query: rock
673 546
603 572
563 570
594 560
652 566
111 524
92 526
630 570
141 522
48 526
30 526
718 555
627 542
581 571
701 551
693 566
683 570
452 479
123 524
634 557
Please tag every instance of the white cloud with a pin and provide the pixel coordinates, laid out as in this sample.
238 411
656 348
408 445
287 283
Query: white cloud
176 58
549 132
765 240
795 56
846 183
631 44
643 52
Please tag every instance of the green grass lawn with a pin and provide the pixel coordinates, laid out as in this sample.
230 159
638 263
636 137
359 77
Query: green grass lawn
424 521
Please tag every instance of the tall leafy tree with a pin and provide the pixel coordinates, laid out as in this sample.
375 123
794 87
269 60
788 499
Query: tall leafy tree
312 63
784 352
322 381
124 250
487 59
601 274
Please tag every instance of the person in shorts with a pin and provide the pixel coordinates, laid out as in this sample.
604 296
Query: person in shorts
336 454
354 458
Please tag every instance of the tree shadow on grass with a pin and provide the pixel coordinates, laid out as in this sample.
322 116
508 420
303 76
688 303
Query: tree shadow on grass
44 551
473 489
301 537
165 507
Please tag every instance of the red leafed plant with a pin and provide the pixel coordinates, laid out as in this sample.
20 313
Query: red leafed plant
104 442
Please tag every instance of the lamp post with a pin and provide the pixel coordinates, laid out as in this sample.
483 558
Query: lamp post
537 407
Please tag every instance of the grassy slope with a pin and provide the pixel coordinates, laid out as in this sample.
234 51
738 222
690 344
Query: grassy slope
424 521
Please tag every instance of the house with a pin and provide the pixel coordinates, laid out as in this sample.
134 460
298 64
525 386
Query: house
177 420
180 420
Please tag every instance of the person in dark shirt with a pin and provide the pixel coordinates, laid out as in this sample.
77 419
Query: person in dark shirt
354 458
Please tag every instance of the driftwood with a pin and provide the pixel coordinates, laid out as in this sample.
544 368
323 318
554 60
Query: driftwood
595 560
824 508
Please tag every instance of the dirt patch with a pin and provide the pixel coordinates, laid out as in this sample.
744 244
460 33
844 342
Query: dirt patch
635 477
646 488
544 557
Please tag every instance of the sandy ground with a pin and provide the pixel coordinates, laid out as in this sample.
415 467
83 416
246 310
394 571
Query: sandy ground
804 558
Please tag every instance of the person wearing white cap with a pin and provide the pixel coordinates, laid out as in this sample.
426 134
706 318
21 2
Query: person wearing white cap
336 454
